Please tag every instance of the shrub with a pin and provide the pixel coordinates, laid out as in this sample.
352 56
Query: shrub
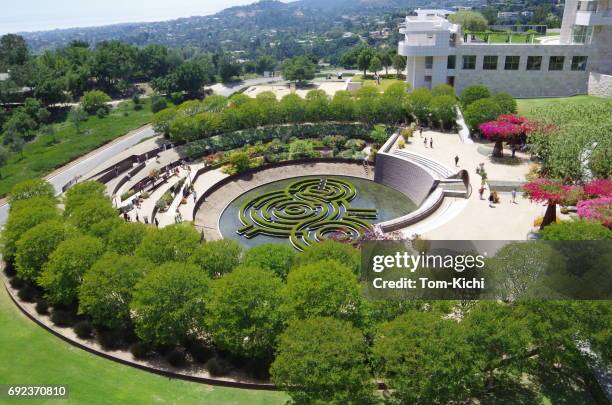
140 350
93 101
355 144
176 358
507 103
42 308
28 293
83 330
63 318
473 93
102 112
401 144
158 103
218 367
407 133
419 103
443 90
200 353
481 111
576 230
109 339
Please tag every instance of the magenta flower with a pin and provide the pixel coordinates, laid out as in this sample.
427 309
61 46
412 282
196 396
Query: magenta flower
598 209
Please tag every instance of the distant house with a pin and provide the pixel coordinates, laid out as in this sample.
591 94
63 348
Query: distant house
4 76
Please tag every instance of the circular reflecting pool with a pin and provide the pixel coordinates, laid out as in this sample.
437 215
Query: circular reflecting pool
303 210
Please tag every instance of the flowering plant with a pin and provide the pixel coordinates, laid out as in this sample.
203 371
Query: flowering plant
599 188
546 190
598 209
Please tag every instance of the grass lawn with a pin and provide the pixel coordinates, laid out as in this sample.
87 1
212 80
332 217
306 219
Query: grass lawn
500 38
525 106
30 355
369 81
48 152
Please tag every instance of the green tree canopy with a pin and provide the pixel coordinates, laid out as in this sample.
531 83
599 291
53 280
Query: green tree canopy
106 291
218 257
91 212
322 288
63 273
331 250
172 243
275 257
473 93
243 312
94 100
81 193
578 229
125 238
30 188
169 303
36 245
469 20
299 69
323 360
481 111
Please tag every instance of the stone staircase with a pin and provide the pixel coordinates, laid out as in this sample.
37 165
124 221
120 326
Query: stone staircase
440 170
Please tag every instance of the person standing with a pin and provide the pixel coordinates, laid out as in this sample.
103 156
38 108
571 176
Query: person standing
456 160
425 142
156 222
431 143
514 196
481 192
421 131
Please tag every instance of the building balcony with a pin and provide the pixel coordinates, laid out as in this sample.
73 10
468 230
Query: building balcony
601 17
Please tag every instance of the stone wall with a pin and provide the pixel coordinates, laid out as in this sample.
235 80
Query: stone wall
600 85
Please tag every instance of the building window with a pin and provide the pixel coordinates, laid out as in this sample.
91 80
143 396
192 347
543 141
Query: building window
579 63
489 62
581 34
534 62
450 80
451 62
512 62
556 62
469 62
427 79
428 62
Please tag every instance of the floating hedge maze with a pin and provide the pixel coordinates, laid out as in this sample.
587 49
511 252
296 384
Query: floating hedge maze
307 211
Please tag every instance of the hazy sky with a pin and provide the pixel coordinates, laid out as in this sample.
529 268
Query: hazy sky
39 15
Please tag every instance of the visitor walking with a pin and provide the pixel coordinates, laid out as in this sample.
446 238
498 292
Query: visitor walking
421 131
195 196
456 160
156 222
514 196
425 142
431 143
481 191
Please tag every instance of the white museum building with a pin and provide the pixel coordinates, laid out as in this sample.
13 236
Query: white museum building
578 61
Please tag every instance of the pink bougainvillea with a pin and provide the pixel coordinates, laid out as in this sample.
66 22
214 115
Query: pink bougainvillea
599 188
598 209
546 190
499 129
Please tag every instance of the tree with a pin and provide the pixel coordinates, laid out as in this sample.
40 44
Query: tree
265 63
443 90
507 128
77 116
323 360
94 100
62 275
323 288
218 257
399 64
20 221
190 77
299 69
469 20
158 103
106 291
423 359
13 51
375 65
173 243
125 238
81 193
92 212
507 103
243 312
419 104
481 111
444 110
379 135
579 229
35 246
473 93
552 192
386 59
168 304
276 258
364 59
331 250
227 68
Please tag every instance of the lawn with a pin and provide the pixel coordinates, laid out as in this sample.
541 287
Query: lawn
30 355
369 81
501 37
526 105
48 152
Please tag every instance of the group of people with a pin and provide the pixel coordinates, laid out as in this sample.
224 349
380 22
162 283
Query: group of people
494 198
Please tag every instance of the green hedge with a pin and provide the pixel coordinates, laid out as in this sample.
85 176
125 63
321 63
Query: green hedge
233 140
